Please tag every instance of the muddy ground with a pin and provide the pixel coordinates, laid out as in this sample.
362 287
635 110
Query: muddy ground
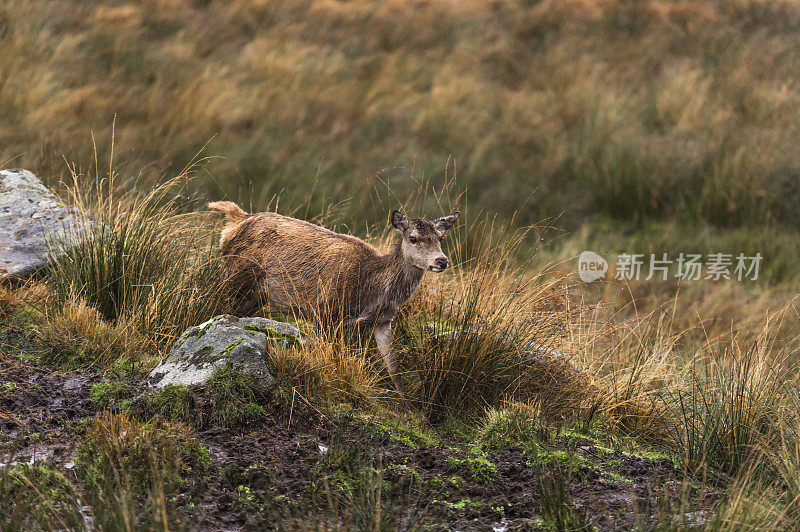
296 467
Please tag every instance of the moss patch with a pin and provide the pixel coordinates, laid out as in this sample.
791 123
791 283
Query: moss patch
175 402
273 334
410 435
229 399
558 459
107 393
235 397
512 426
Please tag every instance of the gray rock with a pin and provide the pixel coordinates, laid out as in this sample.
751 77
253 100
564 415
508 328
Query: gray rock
32 219
540 353
210 346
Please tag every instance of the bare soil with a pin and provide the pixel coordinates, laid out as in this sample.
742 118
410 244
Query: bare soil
283 468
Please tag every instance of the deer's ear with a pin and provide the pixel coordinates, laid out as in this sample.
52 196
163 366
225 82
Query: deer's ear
446 222
399 221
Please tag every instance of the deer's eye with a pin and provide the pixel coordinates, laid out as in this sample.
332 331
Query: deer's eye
413 240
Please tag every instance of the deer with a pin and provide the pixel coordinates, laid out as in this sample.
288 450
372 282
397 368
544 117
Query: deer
300 267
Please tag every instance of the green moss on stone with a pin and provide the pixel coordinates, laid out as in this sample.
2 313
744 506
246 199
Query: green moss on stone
174 401
272 333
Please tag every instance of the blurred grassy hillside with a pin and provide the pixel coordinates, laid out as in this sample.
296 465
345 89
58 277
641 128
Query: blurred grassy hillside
675 120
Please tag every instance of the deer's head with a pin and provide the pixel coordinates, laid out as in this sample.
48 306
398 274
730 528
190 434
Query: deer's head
421 244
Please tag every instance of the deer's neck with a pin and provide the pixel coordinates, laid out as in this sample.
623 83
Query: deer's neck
404 278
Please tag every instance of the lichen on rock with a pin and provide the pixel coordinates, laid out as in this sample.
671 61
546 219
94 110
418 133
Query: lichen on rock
33 221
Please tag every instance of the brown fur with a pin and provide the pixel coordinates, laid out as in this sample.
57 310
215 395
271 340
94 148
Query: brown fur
301 267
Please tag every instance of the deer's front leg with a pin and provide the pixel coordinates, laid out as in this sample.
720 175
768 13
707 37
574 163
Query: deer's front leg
383 337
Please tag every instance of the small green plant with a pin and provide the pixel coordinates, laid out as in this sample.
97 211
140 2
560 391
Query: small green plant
514 425
558 510
244 497
403 470
409 432
108 393
230 398
173 401
566 459
235 398
474 464
463 505
610 476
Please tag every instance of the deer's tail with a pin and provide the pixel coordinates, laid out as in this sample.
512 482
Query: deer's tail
233 212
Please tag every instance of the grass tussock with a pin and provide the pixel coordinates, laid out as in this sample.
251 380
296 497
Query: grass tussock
514 424
558 510
37 497
334 365
140 265
729 411
132 470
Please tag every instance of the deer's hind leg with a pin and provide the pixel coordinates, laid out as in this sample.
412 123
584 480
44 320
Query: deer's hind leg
242 290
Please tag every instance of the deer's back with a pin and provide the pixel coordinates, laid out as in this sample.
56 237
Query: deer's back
299 263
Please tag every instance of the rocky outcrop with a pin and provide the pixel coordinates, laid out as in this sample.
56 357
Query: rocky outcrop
32 220
222 340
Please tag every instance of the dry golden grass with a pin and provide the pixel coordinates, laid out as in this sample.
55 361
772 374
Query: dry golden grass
142 263
575 99
9 300
76 334
332 366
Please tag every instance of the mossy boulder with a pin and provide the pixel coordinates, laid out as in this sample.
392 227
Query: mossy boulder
244 343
